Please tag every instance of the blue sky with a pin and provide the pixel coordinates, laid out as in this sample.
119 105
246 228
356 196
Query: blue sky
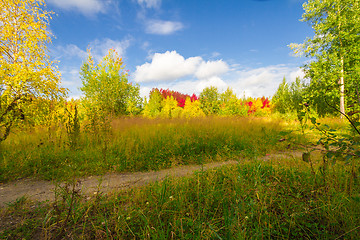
183 45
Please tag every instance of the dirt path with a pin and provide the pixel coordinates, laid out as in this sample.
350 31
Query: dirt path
44 190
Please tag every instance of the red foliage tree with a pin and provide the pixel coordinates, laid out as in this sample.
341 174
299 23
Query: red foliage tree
179 97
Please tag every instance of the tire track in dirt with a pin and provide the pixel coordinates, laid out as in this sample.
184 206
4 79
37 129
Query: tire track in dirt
40 190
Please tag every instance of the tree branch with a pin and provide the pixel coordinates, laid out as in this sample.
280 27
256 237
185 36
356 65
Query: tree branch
9 108
7 53
351 122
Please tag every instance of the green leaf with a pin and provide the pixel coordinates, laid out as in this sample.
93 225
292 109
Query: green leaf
313 120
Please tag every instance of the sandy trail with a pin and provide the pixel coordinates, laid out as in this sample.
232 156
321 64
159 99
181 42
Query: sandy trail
44 190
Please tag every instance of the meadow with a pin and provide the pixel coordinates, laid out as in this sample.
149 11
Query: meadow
134 144
277 198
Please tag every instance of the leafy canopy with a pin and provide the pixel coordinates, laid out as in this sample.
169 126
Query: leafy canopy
26 71
106 86
289 96
334 51
209 99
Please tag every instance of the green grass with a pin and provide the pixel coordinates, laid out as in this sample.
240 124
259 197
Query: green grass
255 199
277 199
135 144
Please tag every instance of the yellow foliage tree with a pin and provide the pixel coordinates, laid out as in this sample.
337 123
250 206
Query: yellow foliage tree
169 106
26 72
153 107
192 109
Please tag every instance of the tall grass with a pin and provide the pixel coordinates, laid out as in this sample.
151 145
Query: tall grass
252 200
256 199
135 144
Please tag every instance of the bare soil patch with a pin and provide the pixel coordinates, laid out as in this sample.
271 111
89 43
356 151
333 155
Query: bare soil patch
44 190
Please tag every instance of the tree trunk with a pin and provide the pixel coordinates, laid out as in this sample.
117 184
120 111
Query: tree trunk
342 89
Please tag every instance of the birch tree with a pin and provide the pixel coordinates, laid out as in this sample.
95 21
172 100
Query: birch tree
334 49
26 71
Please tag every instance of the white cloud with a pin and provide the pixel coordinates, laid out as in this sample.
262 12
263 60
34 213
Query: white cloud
86 7
144 92
212 81
161 27
299 73
170 66
211 68
150 3
262 81
166 66
255 82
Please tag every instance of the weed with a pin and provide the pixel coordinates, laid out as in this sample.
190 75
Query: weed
73 127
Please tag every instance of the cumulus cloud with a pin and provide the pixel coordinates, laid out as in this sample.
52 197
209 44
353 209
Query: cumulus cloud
209 82
86 7
166 66
255 82
187 75
170 66
211 68
161 27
